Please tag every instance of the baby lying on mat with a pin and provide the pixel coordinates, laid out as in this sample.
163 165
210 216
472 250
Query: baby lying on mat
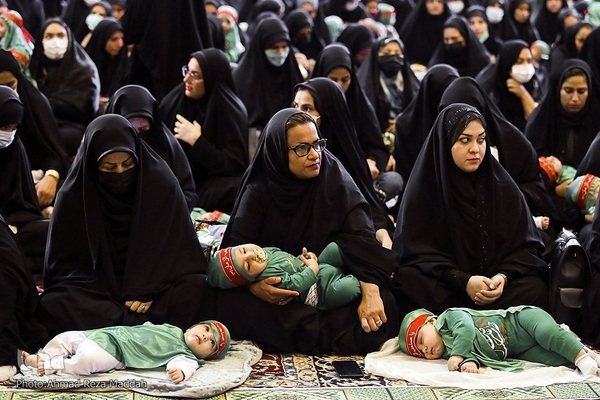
469 338
143 346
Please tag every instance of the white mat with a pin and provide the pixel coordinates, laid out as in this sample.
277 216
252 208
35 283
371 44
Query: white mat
390 362
213 378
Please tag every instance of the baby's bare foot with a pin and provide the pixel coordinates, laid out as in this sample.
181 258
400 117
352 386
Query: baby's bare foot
30 359
40 366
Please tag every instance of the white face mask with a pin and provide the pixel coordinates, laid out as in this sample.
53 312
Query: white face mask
350 5
276 58
456 6
494 14
56 48
522 73
92 21
6 138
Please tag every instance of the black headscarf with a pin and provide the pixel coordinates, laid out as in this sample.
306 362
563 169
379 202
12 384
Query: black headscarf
525 31
264 88
342 141
18 199
566 48
554 132
112 70
493 79
515 152
337 7
72 84
414 124
93 230
136 101
474 56
38 130
453 224
74 15
291 213
163 34
361 110
504 30
547 23
222 150
590 53
370 75
357 38
492 43
422 32
309 45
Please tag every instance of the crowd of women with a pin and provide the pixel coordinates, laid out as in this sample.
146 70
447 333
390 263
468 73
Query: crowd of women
440 144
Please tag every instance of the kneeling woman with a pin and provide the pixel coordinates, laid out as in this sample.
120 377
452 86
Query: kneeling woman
464 233
119 252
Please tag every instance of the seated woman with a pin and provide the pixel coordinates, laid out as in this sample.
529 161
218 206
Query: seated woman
414 124
38 132
137 104
460 48
68 78
335 63
19 328
18 200
296 194
107 49
511 82
464 234
120 252
388 81
324 100
566 121
211 124
510 147
569 45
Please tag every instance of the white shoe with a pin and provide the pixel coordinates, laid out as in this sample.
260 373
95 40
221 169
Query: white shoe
7 372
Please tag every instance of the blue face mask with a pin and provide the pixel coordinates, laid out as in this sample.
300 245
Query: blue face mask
276 58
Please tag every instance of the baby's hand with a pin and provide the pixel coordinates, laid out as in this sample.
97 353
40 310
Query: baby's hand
310 260
175 374
470 367
453 363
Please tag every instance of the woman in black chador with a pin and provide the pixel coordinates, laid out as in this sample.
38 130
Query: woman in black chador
120 252
464 233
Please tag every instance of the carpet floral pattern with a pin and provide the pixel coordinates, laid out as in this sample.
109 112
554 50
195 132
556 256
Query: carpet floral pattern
301 377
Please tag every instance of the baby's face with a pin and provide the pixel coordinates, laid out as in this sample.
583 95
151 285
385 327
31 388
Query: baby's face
555 163
200 339
252 258
429 342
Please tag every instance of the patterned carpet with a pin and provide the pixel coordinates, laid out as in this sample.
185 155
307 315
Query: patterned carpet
300 377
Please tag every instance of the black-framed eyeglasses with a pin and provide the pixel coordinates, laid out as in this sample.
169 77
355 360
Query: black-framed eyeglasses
303 149
185 71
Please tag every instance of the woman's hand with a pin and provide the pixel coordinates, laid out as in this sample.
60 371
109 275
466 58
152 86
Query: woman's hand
370 310
187 131
139 307
46 190
267 290
391 165
373 168
383 237
483 290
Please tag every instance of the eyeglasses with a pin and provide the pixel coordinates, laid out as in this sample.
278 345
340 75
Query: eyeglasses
303 149
185 71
